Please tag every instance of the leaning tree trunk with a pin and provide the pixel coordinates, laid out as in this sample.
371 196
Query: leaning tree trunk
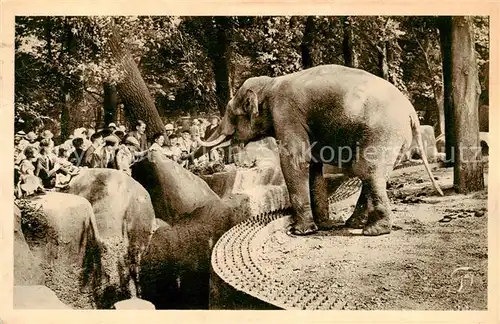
468 171
132 88
306 45
110 103
449 124
348 52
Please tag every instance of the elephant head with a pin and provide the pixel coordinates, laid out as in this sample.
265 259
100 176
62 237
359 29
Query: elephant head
247 117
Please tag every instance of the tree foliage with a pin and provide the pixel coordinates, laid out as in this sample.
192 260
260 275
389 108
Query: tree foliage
192 64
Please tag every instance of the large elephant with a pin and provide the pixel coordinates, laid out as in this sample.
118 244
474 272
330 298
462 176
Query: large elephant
327 114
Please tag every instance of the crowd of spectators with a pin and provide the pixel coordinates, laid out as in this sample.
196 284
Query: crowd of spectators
40 165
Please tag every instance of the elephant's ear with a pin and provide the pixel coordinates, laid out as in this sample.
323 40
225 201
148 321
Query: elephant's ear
251 104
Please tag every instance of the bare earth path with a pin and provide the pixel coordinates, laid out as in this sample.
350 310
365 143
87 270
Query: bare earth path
410 269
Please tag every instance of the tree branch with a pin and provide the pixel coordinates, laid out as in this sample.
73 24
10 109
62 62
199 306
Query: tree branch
94 93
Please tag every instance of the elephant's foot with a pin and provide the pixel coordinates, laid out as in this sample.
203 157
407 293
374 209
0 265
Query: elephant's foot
379 223
356 221
303 228
380 227
326 224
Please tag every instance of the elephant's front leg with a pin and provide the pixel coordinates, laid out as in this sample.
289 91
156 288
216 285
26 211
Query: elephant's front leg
295 163
319 197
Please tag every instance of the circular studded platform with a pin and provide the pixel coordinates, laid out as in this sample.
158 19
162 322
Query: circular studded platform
236 261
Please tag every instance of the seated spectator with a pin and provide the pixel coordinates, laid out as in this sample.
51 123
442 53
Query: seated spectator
46 165
47 134
185 140
31 137
83 133
158 141
172 148
93 155
27 164
67 170
140 134
195 128
121 135
125 155
169 129
214 123
76 157
109 152
63 159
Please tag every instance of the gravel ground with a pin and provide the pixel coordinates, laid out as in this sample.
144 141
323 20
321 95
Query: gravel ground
436 257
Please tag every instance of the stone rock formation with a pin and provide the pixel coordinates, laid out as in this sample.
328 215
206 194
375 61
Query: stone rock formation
61 240
125 220
27 268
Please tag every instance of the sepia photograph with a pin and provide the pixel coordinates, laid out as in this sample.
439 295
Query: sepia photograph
251 162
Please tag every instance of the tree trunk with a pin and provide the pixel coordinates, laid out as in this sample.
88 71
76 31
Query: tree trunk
383 63
468 171
437 88
306 45
219 55
439 97
65 116
347 43
110 103
132 88
445 35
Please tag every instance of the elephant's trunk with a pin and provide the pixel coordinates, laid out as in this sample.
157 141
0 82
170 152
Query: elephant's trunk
214 142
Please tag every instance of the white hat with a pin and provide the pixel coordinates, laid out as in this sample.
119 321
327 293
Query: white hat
112 125
79 132
169 127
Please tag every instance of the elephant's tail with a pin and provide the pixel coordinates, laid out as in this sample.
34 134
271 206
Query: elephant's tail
415 127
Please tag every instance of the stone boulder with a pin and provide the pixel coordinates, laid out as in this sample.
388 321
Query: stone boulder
175 192
125 220
36 297
62 238
175 270
27 268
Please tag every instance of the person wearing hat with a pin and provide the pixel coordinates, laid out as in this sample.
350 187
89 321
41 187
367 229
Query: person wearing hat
76 156
109 152
93 155
18 137
82 133
185 142
169 129
112 126
31 137
47 134
140 134
125 155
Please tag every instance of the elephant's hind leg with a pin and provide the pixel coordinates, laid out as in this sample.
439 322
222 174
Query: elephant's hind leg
364 205
379 218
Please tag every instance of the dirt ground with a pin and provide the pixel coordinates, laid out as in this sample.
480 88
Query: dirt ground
436 257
